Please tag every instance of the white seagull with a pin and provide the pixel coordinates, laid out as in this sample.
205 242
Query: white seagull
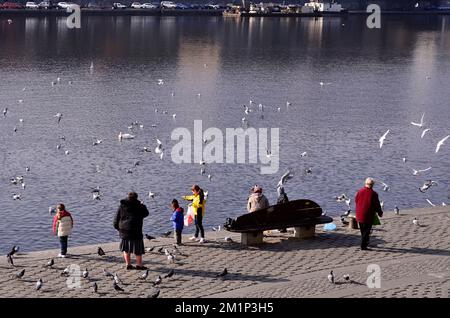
424 132
416 172
440 143
125 136
419 124
382 138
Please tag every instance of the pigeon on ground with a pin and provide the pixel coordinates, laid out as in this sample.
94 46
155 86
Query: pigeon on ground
149 237
223 273
39 284
20 274
50 263
117 287
154 294
85 273
144 276
170 274
331 277
94 287
157 281
100 251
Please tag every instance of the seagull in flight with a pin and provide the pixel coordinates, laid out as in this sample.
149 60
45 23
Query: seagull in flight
416 172
382 138
424 132
431 203
385 187
419 124
441 142
285 177
159 148
427 185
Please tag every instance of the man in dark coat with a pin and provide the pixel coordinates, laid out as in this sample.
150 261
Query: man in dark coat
367 204
129 221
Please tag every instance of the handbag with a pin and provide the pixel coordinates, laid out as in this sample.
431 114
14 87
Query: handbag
376 220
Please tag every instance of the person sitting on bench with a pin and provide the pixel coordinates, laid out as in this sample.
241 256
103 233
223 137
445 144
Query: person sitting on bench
257 200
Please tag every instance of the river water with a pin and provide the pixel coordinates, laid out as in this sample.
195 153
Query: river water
373 80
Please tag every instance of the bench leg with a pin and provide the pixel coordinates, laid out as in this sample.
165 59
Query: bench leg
304 232
251 238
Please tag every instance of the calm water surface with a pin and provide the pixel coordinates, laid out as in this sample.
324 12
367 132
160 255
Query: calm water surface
374 80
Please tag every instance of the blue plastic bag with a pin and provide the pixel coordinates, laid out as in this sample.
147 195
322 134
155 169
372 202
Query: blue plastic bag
330 227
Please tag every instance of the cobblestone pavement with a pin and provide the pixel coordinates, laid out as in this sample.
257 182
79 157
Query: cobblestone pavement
414 262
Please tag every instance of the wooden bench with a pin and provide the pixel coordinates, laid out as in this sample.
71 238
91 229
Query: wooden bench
302 215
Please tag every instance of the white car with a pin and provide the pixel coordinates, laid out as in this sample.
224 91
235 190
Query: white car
149 6
44 5
63 5
136 5
31 5
168 5
118 5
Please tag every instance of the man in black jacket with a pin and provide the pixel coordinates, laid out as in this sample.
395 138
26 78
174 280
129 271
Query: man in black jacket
129 221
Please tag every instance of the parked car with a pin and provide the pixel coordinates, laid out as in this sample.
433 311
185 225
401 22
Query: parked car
11 5
31 5
63 5
149 6
118 5
212 6
44 5
168 5
136 5
181 6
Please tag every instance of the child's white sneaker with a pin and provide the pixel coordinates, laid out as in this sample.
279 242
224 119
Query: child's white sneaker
61 256
202 240
193 238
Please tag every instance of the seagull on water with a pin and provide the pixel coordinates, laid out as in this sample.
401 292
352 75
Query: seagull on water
421 122
303 154
441 142
5 111
125 136
151 195
97 142
382 138
59 116
17 196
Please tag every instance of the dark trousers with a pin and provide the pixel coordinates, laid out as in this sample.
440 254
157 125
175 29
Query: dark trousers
178 236
199 224
365 234
63 242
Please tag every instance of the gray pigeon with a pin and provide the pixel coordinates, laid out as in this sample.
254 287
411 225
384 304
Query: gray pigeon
157 281
50 263
117 287
39 284
170 274
85 273
20 274
223 274
154 294
101 252
145 275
